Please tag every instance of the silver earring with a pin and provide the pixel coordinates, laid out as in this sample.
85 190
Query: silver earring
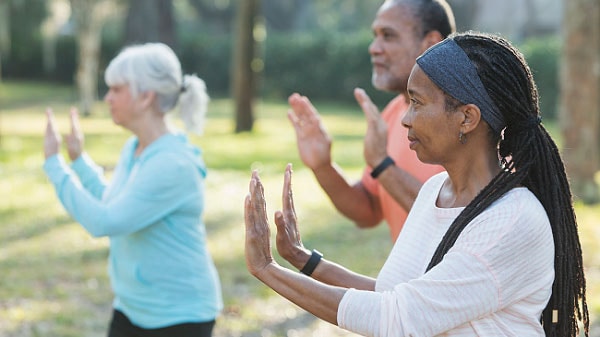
462 138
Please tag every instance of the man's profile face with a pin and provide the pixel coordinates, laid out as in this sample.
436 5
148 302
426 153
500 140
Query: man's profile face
394 48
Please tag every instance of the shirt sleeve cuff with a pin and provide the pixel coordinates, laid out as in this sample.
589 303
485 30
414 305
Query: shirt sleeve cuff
82 163
55 168
359 312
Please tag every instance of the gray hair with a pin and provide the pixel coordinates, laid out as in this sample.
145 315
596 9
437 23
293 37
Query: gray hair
432 15
155 67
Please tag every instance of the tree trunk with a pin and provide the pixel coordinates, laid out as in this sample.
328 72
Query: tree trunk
4 39
87 79
166 23
89 17
56 18
244 77
4 32
580 102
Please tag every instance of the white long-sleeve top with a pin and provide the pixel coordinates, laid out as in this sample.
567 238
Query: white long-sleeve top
494 281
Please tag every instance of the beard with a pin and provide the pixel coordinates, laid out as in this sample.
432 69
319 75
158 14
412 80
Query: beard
385 81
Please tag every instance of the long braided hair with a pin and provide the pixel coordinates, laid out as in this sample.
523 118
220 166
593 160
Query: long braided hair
529 158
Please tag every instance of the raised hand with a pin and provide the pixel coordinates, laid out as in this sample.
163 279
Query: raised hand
74 140
289 244
258 246
52 138
314 143
375 145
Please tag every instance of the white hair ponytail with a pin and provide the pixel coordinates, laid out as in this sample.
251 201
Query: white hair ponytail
193 103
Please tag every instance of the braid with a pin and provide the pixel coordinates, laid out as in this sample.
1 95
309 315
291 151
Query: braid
530 158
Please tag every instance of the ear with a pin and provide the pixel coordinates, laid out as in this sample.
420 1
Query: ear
147 98
471 118
430 39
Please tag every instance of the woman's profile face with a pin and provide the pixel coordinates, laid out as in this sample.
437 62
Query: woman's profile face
120 102
432 131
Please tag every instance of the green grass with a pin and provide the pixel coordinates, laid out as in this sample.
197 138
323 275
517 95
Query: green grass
54 280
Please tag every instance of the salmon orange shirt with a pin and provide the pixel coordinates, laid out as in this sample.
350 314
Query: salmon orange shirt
405 158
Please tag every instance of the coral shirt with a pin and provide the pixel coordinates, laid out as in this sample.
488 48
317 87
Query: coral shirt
405 158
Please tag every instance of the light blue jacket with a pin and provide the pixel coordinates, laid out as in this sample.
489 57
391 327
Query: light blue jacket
160 269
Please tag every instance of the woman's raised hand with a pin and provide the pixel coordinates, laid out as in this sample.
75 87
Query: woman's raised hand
52 138
258 246
74 140
289 243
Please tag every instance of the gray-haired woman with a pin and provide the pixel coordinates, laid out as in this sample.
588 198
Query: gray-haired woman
163 277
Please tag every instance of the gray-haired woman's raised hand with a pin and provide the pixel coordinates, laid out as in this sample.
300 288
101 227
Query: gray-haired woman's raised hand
52 138
74 140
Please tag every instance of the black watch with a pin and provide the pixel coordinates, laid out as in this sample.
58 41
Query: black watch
312 263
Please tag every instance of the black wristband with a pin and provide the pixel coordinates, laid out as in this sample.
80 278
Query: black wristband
382 166
312 263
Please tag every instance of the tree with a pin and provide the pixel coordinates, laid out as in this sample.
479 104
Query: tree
150 21
24 22
4 37
244 76
89 17
57 18
580 103
4 32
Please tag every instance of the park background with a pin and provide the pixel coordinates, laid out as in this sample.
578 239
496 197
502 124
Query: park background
54 280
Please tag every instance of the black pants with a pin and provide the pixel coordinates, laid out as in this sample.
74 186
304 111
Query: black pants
121 326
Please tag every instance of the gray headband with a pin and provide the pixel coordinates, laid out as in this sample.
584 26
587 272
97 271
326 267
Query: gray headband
449 67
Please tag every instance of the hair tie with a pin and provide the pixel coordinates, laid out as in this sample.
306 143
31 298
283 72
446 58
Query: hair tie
528 124
183 87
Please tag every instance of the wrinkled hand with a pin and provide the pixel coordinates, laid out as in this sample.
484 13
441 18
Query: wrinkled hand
314 143
375 145
74 140
258 246
52 138
289 244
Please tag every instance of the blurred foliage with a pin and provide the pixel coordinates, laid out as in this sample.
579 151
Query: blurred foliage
320 65
325 62
543 56
25 20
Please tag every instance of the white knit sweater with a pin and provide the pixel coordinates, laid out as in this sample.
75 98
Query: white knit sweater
495 281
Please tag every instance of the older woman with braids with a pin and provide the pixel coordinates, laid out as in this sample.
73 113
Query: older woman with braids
490 247
161 271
